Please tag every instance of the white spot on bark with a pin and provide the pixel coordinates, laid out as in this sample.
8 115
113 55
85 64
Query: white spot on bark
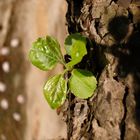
4 51
14 43
2 137
2 87
16 116
6 66
20 99
4 104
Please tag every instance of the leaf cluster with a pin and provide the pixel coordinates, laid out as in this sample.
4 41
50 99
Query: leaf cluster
46 53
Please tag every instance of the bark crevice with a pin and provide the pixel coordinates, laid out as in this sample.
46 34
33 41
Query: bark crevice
122 125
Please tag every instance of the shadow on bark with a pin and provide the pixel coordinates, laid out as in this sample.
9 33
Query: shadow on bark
126 50
128 54
73 5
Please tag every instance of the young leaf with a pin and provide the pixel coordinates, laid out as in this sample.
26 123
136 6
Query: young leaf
55 91
75 46
45 53
82 83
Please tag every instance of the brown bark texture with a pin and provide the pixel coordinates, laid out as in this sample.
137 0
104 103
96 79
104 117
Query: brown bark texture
112 29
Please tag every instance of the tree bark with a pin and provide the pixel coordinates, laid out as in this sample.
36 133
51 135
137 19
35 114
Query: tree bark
113 31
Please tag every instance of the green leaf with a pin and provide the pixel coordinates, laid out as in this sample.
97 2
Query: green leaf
55 91
45 53
75 46
82 83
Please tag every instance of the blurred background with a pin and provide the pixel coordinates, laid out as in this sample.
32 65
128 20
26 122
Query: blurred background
24 113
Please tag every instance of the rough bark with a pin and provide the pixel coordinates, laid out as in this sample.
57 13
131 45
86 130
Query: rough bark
113 113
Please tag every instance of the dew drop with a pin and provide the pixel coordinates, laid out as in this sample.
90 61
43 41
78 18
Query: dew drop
4 104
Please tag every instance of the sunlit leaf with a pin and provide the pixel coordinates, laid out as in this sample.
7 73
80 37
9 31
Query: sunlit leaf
45 53
75 46
55 91
82 83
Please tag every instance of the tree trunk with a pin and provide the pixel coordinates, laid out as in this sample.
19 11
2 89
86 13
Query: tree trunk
113 27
